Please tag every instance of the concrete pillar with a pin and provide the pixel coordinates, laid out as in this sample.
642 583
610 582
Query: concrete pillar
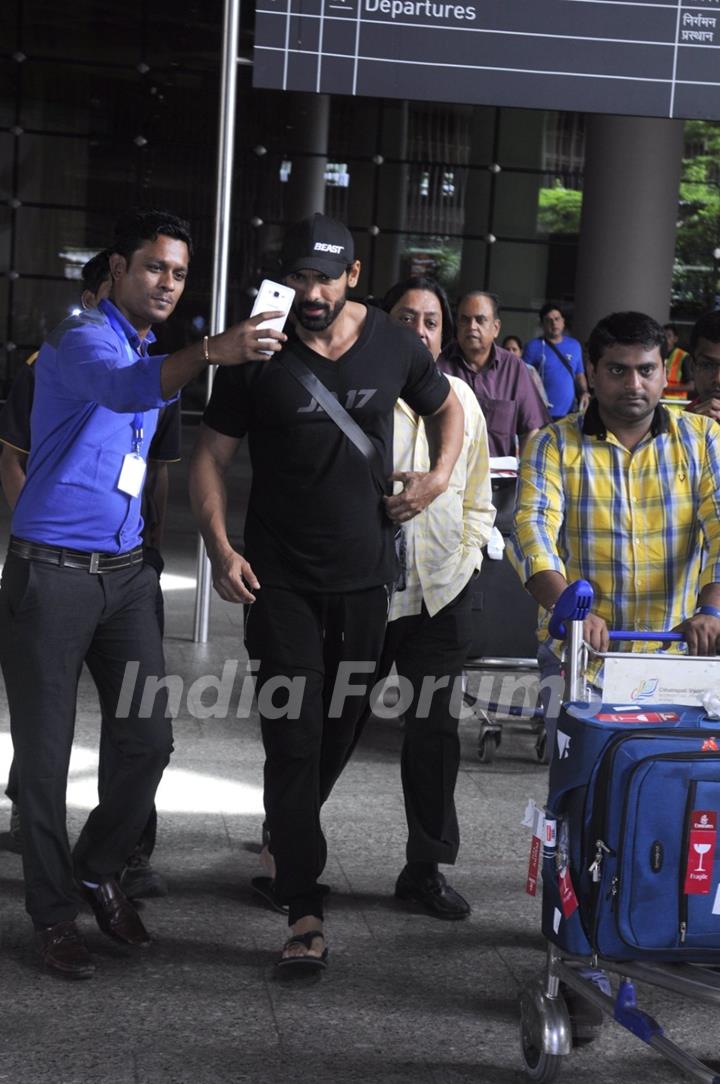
477 196
392 198
307 129
629 215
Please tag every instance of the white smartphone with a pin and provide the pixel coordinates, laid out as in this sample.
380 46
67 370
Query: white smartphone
273 297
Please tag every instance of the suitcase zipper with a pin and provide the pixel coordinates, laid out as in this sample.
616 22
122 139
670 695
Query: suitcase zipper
682 895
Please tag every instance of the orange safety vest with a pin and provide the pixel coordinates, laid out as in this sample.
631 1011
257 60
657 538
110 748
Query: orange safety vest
674 372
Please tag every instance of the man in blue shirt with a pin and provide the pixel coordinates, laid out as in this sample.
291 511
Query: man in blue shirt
138 879
75 588
558 359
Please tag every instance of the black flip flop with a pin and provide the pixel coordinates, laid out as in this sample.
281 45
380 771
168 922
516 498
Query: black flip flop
304 964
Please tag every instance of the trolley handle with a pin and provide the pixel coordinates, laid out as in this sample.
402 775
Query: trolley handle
662 637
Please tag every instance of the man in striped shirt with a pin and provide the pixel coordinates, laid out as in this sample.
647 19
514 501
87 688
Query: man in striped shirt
626 496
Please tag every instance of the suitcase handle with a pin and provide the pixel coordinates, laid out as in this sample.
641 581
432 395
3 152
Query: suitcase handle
574 605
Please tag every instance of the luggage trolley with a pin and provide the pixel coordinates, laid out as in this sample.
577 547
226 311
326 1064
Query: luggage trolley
504 623
629 849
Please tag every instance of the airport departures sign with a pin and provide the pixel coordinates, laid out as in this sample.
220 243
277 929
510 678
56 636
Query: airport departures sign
654 58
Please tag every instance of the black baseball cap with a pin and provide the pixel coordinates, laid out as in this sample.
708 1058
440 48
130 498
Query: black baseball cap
319 244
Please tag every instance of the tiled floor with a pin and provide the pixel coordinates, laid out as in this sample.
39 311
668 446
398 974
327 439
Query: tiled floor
406 998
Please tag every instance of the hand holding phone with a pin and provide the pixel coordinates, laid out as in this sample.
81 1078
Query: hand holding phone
273 297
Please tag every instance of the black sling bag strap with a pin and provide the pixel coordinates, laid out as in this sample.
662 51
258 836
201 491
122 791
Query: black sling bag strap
562 358
339 415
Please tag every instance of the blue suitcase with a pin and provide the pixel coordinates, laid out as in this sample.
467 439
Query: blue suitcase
635 797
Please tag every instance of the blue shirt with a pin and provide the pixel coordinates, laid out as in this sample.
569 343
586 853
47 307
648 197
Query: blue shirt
92 377
558 383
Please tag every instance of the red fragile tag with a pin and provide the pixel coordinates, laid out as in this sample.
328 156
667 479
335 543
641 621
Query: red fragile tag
709 746
533 865
701 852
638 717
568 899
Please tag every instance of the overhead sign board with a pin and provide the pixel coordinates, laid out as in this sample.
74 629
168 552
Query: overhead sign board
656 58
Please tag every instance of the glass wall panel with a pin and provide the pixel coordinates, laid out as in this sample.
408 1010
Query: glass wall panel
517 206
51 242
6 219
83 99
38 306
7 150
8 84
81 30
52 169
518 273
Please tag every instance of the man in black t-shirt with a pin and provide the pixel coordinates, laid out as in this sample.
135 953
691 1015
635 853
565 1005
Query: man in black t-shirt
318 538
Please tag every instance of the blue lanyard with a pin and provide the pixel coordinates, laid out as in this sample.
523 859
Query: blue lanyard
138 419
138 433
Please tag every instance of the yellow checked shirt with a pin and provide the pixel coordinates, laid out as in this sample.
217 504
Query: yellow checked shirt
643 526
444 542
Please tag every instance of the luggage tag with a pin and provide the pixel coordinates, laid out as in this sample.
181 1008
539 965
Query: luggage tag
568 899
700 852
535 819
533 866
132 472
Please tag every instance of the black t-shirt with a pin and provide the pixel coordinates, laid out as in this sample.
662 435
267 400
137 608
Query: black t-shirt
315 519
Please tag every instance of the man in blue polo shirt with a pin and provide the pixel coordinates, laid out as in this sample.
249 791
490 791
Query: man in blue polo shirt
558 359
75 589
138 878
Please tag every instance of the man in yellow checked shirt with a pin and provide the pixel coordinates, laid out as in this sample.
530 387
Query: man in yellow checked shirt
626 496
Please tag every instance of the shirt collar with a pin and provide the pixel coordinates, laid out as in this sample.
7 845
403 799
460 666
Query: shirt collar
457 355
116 317
592 424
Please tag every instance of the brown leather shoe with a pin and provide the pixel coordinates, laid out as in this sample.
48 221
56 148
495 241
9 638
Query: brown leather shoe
63 950
115 914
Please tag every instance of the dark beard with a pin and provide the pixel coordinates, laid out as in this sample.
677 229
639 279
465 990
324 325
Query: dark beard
321 322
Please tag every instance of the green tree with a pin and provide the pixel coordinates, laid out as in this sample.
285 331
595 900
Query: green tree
698 232
559 210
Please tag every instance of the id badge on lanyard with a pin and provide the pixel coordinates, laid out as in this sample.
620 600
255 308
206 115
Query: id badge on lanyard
132 472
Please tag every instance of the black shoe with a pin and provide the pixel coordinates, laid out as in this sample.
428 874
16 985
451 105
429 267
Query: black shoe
115 914
63 950
15 834
434 893
139 881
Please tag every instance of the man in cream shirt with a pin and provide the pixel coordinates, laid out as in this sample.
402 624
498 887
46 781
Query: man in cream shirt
429 630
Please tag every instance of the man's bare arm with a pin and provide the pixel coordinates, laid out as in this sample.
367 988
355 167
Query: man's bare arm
156 493
547 587
582 391
13 463
238 345
702 631
211 457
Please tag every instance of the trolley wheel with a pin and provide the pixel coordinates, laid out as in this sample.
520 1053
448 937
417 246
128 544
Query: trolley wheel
487 747
539 1066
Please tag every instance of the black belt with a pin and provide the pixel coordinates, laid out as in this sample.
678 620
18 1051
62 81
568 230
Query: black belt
58 555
